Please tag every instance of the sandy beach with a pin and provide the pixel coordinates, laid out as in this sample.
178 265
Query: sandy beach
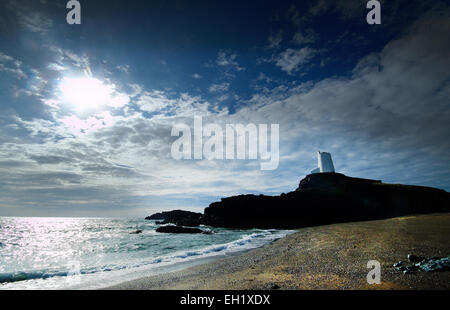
323 257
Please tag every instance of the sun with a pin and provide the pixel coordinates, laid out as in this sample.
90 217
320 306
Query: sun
85 93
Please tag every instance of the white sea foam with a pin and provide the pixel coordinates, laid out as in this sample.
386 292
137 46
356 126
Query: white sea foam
95 253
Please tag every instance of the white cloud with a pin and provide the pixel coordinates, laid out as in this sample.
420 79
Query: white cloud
216 88
6 58
275 40
77 60
65 57
136 90
124 68
222 98
35 22
304 37
388 120
56 67
30 18
79 126
15 71
291 60
119 100
228 59
263 77
11 65
154 101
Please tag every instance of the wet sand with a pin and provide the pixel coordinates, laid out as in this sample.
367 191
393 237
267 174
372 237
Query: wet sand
324 257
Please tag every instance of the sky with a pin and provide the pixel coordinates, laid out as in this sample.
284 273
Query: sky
86 111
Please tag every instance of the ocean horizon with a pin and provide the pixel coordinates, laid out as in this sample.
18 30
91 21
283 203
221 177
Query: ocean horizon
92 253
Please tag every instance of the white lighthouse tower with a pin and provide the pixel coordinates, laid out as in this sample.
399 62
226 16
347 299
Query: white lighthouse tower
324 162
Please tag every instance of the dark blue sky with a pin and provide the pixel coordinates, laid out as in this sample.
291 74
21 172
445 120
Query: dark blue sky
375 96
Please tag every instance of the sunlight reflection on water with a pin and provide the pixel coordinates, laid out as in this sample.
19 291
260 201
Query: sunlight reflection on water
49 253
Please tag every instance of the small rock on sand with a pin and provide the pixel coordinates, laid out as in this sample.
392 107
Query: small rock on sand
275 287
414 258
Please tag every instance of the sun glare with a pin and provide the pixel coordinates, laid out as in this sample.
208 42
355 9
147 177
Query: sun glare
85 93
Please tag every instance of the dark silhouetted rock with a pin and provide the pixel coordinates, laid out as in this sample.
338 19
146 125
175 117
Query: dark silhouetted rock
189 220
326 198
156 216
178 230
275 287
178 217
400 266
432 264
333 182
415 259
137 232
435 264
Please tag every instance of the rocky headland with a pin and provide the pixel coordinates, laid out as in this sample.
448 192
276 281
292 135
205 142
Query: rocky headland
320 199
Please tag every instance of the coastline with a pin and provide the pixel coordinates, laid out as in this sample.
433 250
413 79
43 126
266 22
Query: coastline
322 257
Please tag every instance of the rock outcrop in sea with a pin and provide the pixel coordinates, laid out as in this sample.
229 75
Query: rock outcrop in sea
179 230
177 217
320 199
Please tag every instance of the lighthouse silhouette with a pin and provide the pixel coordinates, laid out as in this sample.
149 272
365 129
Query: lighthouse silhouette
324 162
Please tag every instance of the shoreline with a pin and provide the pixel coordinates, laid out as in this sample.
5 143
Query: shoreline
321 257
181 266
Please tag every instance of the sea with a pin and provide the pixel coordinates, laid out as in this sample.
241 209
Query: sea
94 253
